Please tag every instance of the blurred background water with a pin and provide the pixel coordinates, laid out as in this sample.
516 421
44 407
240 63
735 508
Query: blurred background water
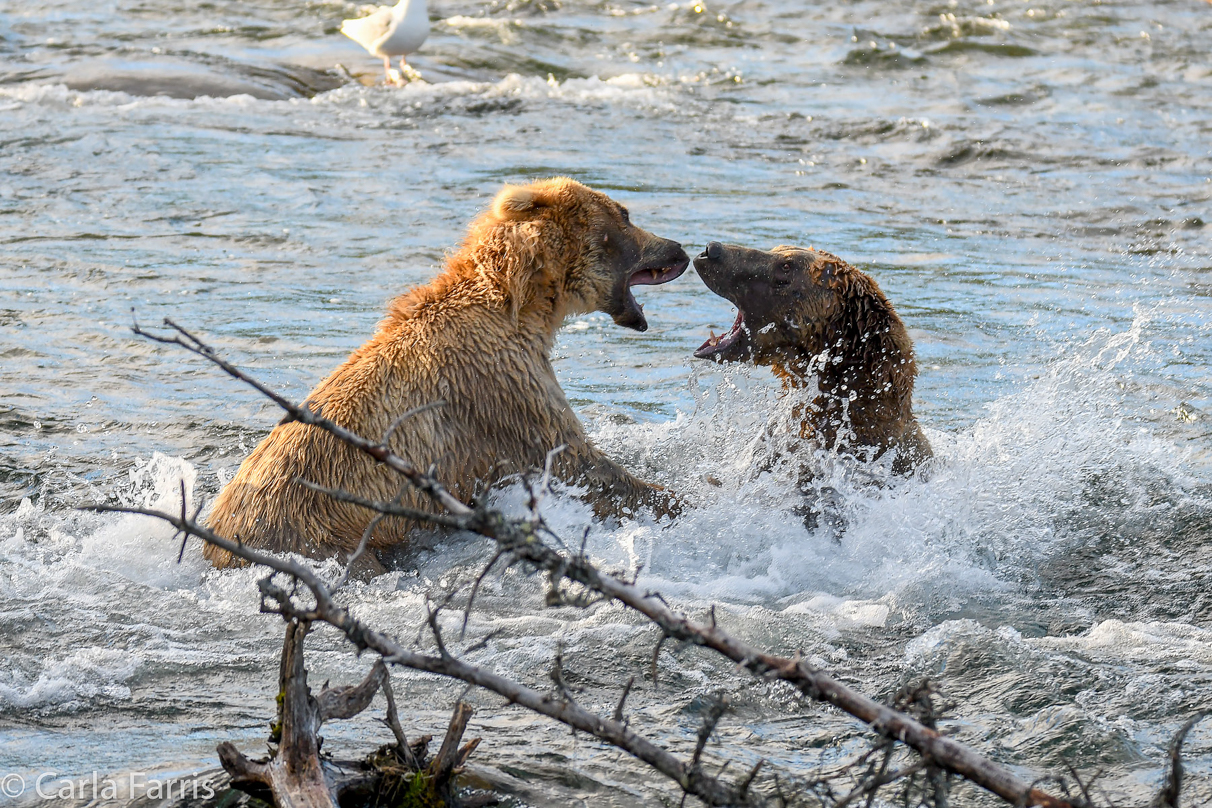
1028 181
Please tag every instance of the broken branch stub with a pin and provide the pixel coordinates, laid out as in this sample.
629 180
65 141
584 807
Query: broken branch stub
294 776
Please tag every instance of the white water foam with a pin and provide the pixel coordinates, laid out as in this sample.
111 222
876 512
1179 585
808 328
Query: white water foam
633 90
997 498
974 523
73 578
1181 644
629 90
86 675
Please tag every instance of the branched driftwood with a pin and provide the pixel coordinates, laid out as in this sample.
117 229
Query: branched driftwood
526 541
523 540
297 776
279 600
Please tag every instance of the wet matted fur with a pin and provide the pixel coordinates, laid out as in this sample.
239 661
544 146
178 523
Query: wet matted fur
817 320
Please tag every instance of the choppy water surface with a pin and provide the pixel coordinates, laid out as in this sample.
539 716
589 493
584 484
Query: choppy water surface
1029 182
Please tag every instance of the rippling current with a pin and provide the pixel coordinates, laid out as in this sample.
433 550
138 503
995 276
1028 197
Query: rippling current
1028 181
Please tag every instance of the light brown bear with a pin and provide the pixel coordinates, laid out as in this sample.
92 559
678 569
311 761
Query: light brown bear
815 319
478 338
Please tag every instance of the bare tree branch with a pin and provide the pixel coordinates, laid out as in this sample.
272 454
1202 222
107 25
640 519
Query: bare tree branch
743 786
1168 796
618 708
705 787
715 711
304 415
522 540
346 702
475 589
442 766
391 430
393 722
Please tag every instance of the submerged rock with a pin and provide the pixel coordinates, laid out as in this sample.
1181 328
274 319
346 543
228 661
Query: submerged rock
183 79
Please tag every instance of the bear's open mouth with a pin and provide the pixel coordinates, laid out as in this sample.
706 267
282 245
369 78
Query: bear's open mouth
653 276
631 313
716 345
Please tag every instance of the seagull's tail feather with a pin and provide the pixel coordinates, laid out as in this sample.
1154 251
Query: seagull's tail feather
367 31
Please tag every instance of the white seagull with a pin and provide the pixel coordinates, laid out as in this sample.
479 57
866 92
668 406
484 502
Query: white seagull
391 31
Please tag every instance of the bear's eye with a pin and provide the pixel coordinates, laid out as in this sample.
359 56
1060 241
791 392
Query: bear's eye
625 214
782 273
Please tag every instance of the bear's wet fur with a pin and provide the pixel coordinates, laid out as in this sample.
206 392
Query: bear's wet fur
478 339
816 320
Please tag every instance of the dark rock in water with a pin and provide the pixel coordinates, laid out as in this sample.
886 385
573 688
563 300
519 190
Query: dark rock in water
190 80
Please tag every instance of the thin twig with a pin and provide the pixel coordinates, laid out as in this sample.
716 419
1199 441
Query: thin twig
557 674
618 708
475 588
387 508
656 652
407 414
743 786
366 534
715 711
393 722
184 536
873 783
483 641
1169 794
435 629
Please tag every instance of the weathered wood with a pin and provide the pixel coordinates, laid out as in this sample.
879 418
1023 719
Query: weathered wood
393 723
294 775
346 702
443 764
447 764
239 768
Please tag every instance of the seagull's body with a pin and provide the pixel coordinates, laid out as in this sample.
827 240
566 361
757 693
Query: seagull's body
391 31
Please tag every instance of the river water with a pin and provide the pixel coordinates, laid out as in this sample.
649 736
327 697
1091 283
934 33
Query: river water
1028 181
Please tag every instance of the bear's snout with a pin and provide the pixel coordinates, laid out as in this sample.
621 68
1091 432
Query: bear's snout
715 268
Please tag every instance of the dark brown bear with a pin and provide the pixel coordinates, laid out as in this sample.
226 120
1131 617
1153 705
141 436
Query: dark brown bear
814 319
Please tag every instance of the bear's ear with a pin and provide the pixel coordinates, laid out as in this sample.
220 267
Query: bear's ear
513 202
518 202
